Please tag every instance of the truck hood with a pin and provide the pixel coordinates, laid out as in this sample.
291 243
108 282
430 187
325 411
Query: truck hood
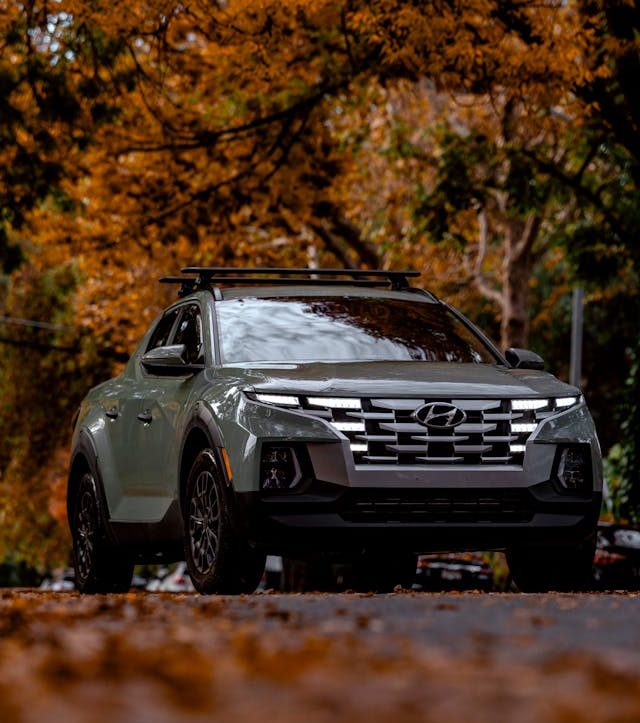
399 379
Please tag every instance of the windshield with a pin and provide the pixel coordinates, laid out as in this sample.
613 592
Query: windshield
343 328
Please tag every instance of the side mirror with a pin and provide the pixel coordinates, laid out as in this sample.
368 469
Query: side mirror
524 359
169 360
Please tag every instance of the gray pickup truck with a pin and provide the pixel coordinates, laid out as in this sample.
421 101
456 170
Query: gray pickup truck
337 413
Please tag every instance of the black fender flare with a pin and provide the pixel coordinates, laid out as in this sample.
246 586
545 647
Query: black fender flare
85 449
203 420
202 417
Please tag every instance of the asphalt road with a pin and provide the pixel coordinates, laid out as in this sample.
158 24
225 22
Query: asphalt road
313 657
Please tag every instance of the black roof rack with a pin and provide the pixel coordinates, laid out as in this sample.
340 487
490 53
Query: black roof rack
211 276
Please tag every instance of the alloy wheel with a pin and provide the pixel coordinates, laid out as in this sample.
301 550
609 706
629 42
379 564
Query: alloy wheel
86 533
204 523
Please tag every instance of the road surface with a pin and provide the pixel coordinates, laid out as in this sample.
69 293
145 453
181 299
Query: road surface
314 658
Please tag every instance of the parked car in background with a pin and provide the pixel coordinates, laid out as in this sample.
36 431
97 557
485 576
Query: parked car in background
332 413
60 580
454 572
173 579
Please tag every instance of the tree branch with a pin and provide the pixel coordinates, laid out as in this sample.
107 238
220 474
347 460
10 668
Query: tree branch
574 183
528 236
476 273
210 138
365 251
332 244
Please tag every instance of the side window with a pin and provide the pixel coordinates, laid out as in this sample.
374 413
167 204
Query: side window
189 333
160 336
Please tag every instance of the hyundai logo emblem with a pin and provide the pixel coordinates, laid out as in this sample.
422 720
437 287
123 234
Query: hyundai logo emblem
439 415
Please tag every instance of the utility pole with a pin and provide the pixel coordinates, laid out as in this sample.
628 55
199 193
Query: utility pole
575 371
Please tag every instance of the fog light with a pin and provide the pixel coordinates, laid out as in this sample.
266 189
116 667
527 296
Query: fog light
574 468
279 468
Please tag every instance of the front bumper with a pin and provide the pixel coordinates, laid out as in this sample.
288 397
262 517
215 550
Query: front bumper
331 519
343 506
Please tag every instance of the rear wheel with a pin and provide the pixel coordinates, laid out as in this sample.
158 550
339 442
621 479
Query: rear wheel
218 559
99 566
540 569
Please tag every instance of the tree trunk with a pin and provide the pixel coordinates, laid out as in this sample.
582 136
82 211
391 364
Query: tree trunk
519 261
514 327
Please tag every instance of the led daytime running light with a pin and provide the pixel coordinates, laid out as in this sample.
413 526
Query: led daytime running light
523 427
529 404
563 402
348 426
279 399
335 402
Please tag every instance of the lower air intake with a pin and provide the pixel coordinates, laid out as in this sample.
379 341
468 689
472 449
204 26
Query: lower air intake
433 506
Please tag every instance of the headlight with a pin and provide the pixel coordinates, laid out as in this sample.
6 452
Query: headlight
334 410
527 414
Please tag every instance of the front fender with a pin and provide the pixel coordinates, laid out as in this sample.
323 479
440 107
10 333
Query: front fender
243 424
84 458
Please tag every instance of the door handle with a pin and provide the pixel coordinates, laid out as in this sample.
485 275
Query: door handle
112 412
145 416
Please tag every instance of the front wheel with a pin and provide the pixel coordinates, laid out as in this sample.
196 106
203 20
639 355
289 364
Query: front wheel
218 559
99 566
564 569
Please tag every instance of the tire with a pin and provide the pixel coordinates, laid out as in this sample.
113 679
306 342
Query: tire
382 572
99 566
563 569
218 559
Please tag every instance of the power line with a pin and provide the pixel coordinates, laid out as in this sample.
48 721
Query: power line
34 324
40 345
46 346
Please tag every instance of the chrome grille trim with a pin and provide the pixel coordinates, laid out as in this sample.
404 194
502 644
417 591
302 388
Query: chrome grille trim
392 435
485 438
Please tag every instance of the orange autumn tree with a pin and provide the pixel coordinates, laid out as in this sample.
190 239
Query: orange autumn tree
49 108
231 118
436 181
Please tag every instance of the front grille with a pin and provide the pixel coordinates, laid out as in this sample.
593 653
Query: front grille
439 505
384 432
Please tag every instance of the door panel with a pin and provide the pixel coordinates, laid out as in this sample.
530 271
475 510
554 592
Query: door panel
117 454
163 401
157 440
